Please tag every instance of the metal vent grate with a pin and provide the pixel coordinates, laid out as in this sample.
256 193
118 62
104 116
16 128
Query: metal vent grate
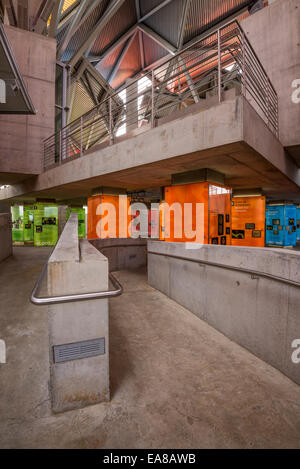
76 350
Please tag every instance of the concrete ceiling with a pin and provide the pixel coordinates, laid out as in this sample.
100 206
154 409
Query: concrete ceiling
242 166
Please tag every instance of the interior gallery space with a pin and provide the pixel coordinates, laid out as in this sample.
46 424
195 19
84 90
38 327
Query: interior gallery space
149 226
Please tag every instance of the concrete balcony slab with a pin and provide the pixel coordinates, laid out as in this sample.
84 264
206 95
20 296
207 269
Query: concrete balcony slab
229 137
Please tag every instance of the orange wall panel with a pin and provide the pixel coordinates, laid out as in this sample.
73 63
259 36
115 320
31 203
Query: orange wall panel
248 221
219 215
187 193
107 225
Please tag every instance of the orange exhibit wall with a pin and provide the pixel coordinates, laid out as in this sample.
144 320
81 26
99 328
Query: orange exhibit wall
219 215
248 221
180 195
104 223
177 196
216 214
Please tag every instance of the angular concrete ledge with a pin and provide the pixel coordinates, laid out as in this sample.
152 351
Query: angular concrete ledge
78 268
260 314
123 253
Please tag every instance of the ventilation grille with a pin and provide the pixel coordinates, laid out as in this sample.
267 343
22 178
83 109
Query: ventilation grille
77 350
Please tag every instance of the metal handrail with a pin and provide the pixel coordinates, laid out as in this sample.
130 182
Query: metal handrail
253 273
47 300
186 72
83 296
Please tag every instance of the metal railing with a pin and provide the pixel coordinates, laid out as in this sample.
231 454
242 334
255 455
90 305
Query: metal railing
218 62
51 300
254 273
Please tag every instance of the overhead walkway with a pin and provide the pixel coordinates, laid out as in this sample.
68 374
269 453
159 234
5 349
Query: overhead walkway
175 381
210 106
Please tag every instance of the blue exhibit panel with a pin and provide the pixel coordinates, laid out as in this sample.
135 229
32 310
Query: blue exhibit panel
298 223
281 225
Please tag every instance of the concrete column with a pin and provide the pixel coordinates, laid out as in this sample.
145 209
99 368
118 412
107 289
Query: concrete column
62 212
80 379
5 236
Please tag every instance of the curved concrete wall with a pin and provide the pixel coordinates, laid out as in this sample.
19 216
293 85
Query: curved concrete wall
5 236
123 253
260 314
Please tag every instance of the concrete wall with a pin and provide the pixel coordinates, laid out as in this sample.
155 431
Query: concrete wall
5 236
260 314
274 33
123 253
21 145
77 267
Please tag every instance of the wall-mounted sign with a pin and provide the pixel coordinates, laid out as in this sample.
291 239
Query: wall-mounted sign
45 224
28 223
17 218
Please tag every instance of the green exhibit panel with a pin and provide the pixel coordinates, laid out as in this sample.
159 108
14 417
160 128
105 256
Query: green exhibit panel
17 217
45 224
28 224
81 219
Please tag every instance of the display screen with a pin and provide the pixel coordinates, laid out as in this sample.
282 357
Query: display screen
276 222
215 241
270 227
220 224
291 221
49 221
238 234
250 226
45 222
256 234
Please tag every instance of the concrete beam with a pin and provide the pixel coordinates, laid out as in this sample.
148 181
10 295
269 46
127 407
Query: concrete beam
5 236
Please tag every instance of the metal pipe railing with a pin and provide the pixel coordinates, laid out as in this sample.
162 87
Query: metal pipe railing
253 273
35 299
185 79
50 300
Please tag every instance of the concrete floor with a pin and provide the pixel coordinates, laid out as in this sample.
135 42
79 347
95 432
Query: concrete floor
175 381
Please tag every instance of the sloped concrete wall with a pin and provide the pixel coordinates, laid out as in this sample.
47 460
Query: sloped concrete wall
260 314
5 236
